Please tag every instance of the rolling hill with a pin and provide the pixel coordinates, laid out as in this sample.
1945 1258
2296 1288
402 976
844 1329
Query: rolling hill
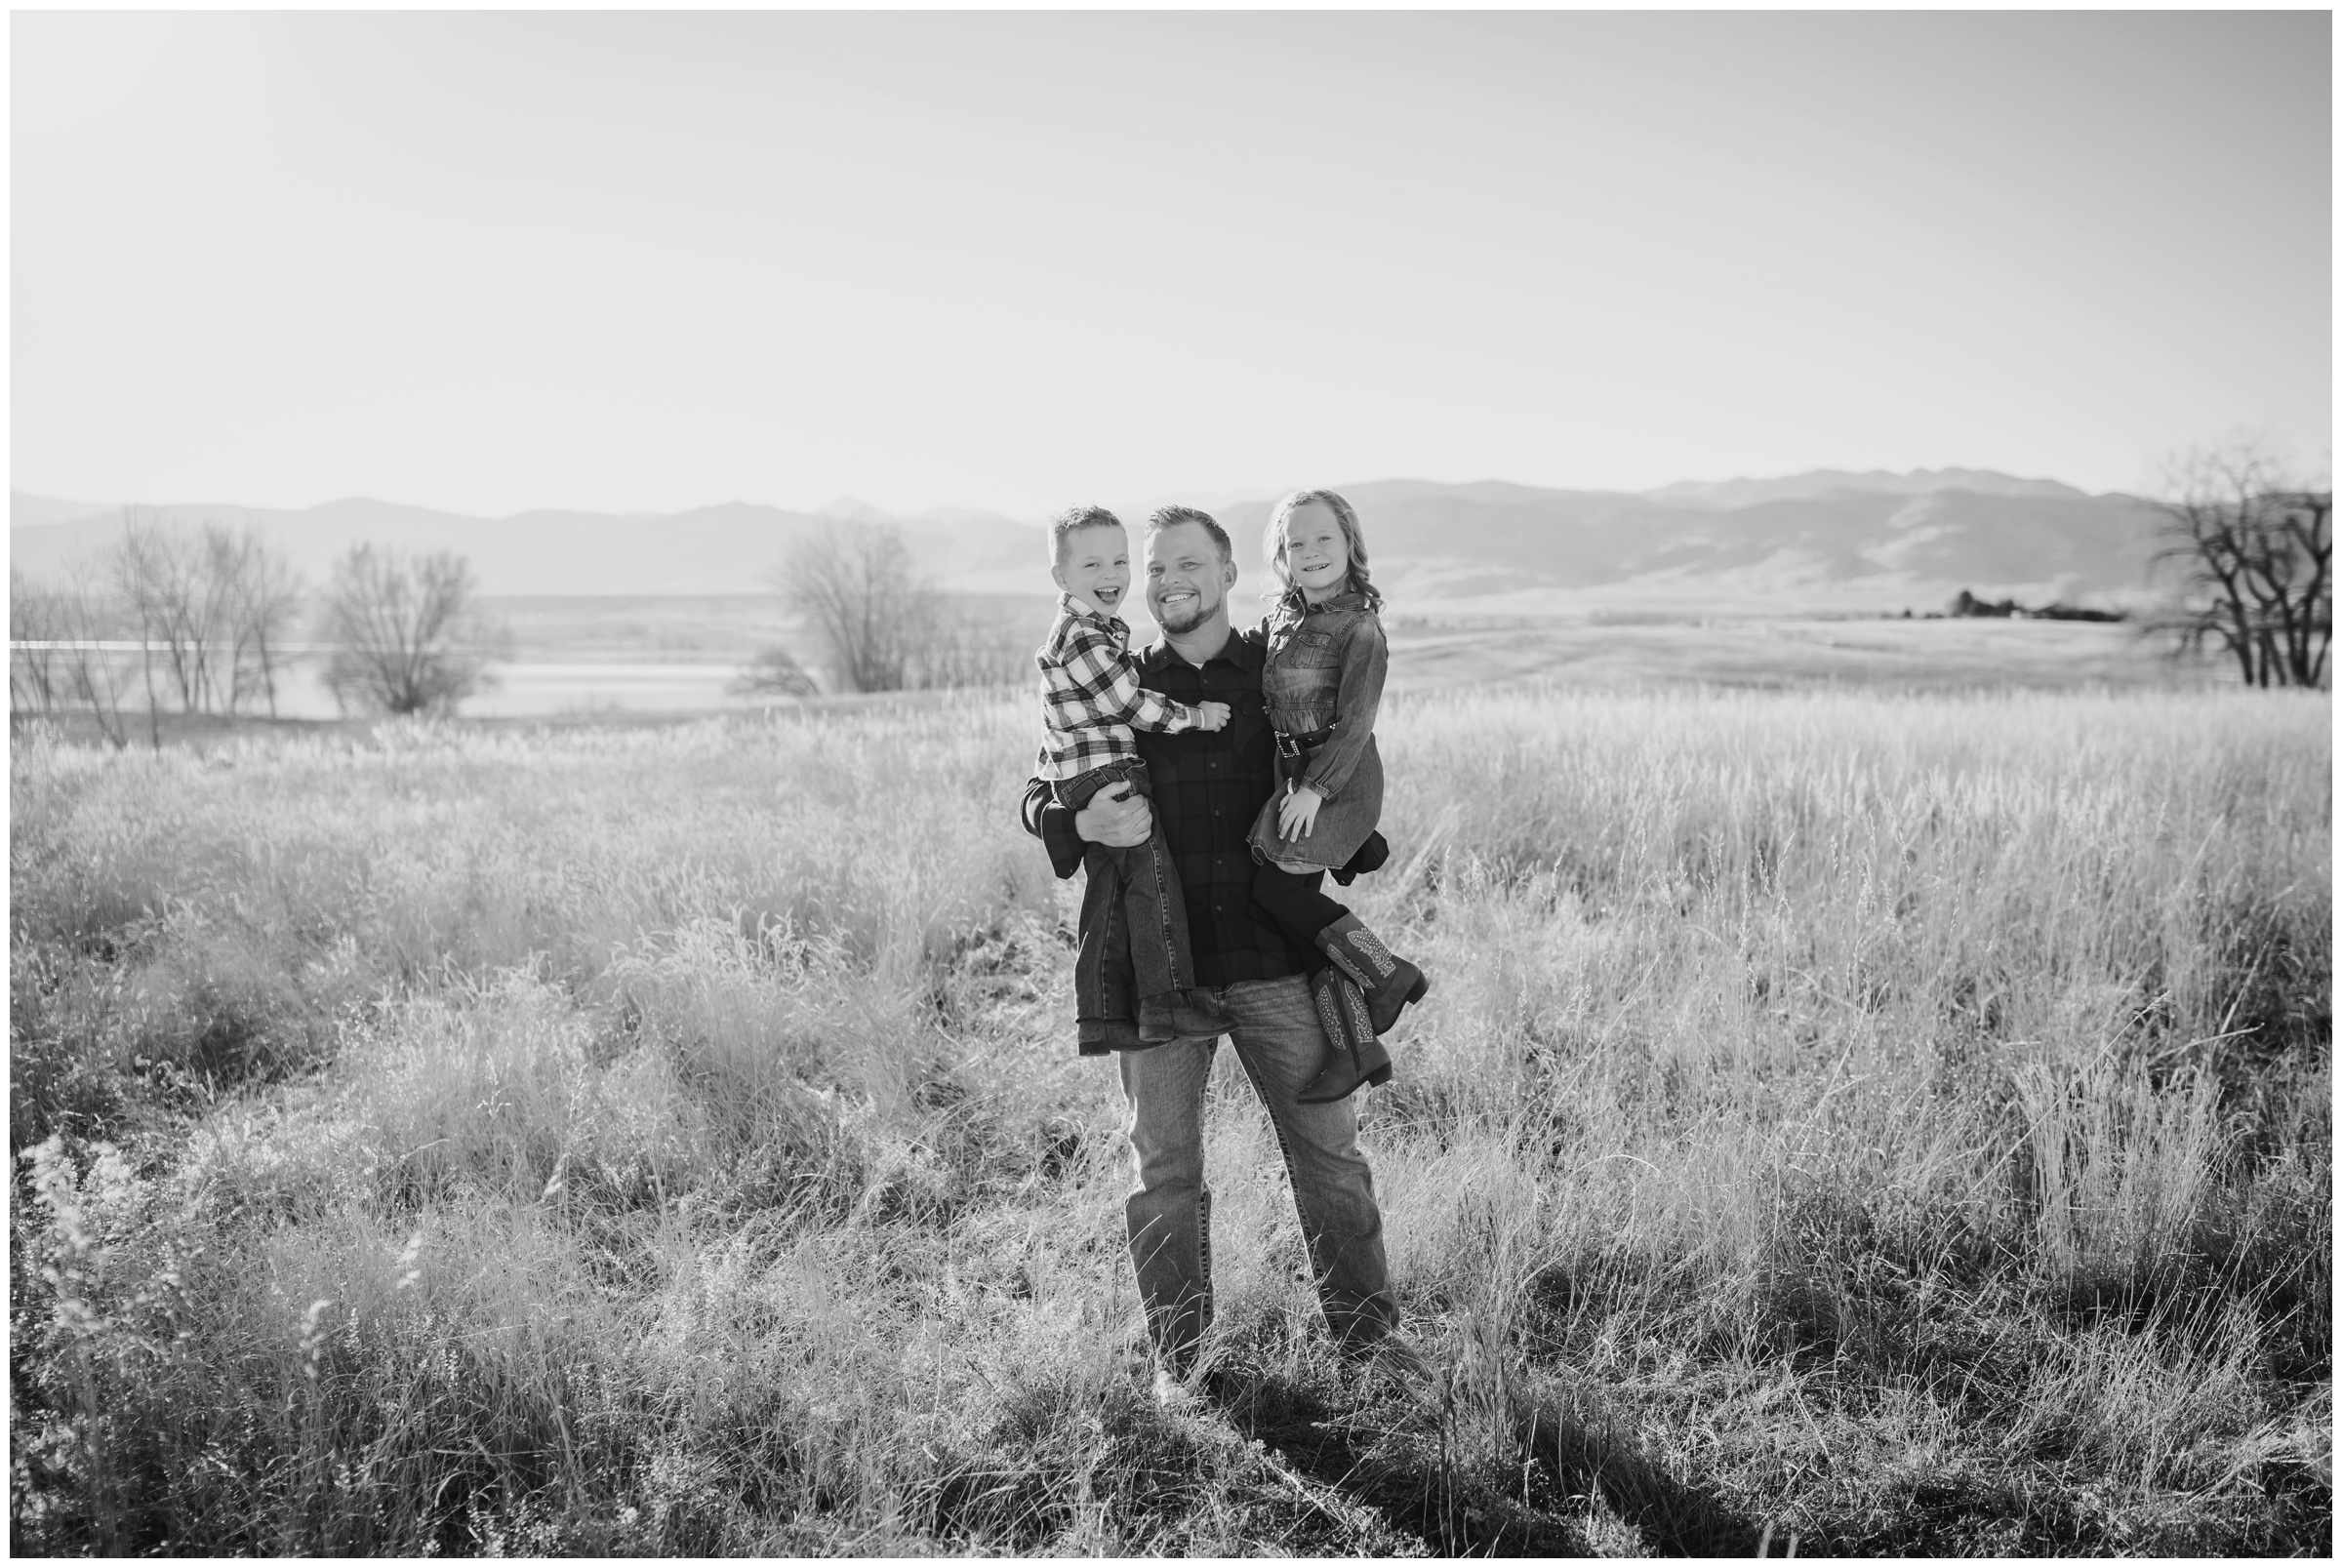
1825 539
1839 544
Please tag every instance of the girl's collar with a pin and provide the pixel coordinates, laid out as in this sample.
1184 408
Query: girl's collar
1346 599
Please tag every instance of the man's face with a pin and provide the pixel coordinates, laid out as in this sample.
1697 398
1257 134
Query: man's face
1187 581
1096 567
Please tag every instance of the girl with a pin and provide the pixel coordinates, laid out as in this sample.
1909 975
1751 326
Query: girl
1322 683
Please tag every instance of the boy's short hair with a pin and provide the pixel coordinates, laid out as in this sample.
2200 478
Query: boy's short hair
1163 517
1072 521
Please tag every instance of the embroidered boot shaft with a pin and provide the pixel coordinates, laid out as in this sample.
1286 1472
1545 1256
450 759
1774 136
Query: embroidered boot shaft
1389 983
1357 1057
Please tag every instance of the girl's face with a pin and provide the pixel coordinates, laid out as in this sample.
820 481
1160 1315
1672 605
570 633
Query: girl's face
1317 553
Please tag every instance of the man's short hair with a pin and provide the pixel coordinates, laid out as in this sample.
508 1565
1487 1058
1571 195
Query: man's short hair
1163 517
1072 521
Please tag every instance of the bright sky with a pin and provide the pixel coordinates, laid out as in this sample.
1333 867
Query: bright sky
647 261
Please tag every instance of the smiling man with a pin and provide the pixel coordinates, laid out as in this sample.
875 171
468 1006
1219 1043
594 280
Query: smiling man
1208 786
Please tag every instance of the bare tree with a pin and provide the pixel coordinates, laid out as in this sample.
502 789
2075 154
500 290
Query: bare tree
858 589
260 596
35 651
99 673
884 625
213 606
773 672
69 649
153 571
407 639
2254 552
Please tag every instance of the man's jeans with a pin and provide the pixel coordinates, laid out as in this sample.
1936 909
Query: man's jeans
1134 919
1282 1047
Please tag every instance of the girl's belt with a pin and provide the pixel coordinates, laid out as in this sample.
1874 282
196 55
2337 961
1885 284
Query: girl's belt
1291 746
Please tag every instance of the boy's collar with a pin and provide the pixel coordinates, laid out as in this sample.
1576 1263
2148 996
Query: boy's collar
1068 605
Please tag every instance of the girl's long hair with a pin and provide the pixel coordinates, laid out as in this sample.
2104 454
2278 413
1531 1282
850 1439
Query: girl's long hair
1273 544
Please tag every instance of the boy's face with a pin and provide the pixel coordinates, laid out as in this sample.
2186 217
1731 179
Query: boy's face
1096 567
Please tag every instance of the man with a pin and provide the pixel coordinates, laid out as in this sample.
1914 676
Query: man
1209 785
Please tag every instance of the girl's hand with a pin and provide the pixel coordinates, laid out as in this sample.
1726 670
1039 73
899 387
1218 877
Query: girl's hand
1297 813
1211 715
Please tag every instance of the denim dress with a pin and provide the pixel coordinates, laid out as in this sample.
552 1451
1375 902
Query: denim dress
1321 686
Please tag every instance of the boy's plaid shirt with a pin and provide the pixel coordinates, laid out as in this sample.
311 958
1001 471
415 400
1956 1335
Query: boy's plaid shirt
1091 698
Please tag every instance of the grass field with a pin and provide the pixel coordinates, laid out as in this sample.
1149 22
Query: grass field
1894 1125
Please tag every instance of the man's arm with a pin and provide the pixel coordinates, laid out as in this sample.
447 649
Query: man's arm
1113 817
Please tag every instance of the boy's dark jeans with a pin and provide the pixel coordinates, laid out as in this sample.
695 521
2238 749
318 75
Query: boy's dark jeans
1134 918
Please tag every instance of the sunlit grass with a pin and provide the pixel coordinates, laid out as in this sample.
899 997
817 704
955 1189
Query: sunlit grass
1901 1123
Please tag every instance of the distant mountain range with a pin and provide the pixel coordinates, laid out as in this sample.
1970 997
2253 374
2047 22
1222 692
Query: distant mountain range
1823 540
1820 539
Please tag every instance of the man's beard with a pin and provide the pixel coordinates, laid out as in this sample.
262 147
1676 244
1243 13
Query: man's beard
1198 612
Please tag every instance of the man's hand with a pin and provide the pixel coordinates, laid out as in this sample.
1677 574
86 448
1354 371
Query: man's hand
1297 813
1211 715
1115 817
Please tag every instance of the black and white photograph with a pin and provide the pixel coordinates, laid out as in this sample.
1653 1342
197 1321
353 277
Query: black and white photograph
1219 784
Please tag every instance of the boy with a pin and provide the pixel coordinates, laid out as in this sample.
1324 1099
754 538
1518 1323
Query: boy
1091 701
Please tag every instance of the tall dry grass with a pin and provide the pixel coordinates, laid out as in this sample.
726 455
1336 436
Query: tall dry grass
1898 1124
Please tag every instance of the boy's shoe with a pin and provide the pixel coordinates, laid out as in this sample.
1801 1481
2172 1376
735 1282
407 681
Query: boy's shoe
1180 1016
1357 1057
1389 983
1198 1012
1154 1020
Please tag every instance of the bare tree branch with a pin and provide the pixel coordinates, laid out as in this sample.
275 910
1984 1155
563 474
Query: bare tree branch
2254 556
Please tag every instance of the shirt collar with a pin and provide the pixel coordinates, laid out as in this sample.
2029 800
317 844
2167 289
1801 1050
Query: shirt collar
1242 649
1348 599
1069 608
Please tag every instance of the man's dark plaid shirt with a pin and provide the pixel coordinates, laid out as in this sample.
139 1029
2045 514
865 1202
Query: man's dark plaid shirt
1208 786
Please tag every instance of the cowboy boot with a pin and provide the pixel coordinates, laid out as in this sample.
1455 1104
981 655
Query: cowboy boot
1357 1057
1390 983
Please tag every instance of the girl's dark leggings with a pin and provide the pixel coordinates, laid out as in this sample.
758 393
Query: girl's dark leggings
1300 908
